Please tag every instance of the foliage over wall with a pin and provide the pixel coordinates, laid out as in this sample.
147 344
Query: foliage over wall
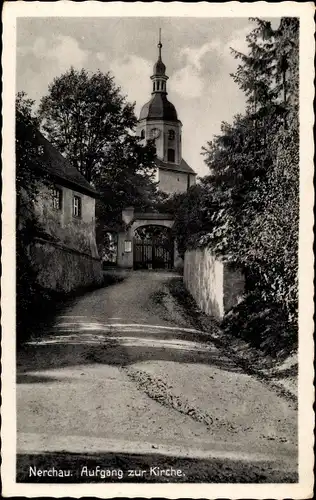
88 119
35 298
28 292
247 208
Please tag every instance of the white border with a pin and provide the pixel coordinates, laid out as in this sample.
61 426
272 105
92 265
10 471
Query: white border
305 11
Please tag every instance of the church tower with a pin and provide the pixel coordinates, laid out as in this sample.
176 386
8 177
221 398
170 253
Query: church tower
158 120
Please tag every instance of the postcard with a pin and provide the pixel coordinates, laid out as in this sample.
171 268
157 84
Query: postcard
157 249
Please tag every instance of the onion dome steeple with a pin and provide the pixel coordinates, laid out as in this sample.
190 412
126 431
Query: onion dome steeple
159 67
159 77
159 108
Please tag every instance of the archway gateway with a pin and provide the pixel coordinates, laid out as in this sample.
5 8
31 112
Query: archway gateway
146 241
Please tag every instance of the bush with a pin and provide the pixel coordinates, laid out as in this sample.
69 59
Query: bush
264 325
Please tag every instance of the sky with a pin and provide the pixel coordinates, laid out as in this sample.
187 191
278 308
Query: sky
196 52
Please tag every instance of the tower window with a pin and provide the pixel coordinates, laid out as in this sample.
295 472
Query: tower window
142 134
171 155
171 135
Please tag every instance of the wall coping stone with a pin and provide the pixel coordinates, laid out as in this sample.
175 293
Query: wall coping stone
65 248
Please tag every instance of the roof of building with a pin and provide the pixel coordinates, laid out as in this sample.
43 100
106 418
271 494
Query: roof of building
182 167
54 163
159 108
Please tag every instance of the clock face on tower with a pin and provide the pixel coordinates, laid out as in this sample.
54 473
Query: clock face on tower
154 133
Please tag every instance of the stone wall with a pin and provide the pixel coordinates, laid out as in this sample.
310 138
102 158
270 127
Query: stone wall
215 285
63 269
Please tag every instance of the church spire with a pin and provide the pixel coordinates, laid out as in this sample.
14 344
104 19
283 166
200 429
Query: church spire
159 45
159 76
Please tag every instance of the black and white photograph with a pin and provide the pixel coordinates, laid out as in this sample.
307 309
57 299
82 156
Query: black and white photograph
157 250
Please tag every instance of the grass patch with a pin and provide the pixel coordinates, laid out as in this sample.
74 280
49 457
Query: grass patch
254 357
194 316
262 326
158 296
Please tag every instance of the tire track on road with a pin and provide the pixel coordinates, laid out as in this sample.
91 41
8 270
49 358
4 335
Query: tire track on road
161 392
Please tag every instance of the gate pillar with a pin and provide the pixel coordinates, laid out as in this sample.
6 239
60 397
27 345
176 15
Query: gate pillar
125 249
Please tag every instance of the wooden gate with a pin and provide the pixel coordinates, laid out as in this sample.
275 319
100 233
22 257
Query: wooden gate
153 249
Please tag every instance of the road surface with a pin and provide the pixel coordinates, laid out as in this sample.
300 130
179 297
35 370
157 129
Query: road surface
122 381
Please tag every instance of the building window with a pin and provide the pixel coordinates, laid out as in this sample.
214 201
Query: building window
57 196
40 150
171 155
142 134
76 209
171 135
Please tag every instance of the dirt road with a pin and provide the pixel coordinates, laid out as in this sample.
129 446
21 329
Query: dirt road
122 381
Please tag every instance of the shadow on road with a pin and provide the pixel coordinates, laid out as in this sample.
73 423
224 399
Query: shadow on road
117 348
85 340
51 304
192 469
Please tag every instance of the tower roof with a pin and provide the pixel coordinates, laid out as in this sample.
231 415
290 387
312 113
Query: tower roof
182 167
159 108
159 67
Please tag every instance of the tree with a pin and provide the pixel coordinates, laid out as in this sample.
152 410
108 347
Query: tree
86 117
192 217
274 229
255 167
27 162
126 180
26 151
252 191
